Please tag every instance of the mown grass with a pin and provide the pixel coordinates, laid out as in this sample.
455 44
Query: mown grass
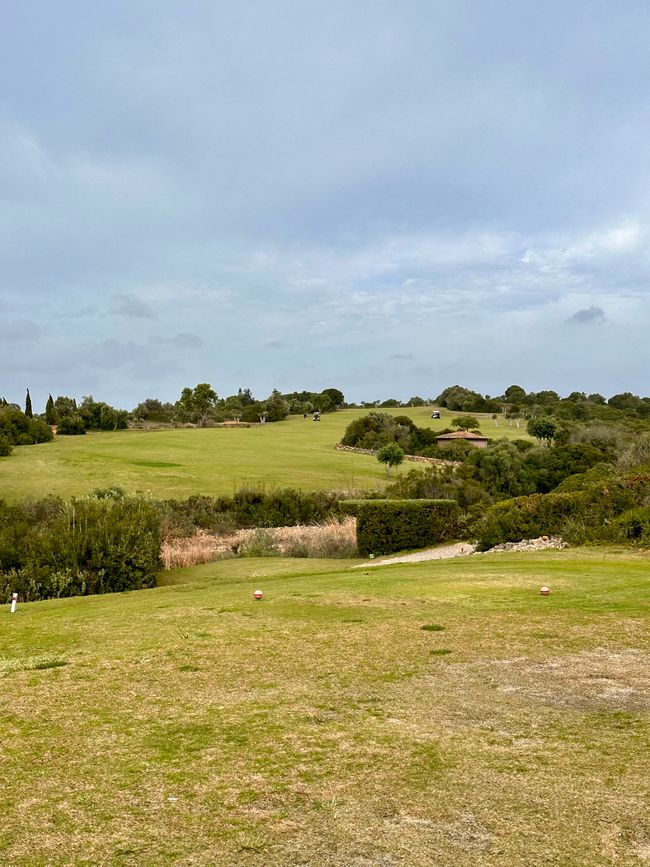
295 453
327 725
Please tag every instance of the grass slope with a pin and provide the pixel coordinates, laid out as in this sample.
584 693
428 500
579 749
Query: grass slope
177 463
191 725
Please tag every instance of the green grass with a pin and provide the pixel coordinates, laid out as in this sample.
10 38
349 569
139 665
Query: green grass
325 726
178 463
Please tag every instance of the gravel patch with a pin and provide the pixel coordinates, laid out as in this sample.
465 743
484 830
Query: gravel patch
442 552
464 549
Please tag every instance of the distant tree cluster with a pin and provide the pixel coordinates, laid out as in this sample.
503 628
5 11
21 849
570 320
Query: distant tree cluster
459 399
577 406
19 429
201 405
379 429
301 402
72 419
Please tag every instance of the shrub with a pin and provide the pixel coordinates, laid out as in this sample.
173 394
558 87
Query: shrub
20 429
71 425
526 518
248 507
261 543
392 455
581 511
89 545
632 526
385 526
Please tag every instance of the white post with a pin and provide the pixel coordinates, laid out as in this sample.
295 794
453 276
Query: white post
14 600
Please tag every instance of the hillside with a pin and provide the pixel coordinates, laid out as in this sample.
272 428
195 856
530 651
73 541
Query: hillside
178 463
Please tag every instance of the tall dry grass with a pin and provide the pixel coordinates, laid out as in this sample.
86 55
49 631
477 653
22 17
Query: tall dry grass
330 539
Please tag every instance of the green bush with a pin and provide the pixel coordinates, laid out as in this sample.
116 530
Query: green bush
20 429
385 526
90 545
583 510
261 543
526 518
633 526
248 507
71 425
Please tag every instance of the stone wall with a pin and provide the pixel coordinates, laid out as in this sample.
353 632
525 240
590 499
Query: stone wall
417 458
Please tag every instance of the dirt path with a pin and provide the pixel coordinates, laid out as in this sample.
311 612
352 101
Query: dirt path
461 549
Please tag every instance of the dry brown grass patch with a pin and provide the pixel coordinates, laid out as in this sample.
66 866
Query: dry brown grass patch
332 538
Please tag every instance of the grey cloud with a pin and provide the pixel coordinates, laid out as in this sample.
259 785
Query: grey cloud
465 172
181 341
115 354
20 331
588 316
131 308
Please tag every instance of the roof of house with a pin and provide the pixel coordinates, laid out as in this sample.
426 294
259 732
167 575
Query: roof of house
461 435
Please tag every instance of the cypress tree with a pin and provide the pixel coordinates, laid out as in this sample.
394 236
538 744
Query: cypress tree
50 411
28 406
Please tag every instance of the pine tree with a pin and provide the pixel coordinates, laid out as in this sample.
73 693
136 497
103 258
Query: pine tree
28 406
50 411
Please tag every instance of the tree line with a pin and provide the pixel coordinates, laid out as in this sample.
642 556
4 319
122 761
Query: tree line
196 406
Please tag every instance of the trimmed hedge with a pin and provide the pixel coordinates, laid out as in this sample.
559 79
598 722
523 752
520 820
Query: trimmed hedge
386 526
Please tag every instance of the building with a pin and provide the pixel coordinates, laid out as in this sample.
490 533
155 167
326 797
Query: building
477 440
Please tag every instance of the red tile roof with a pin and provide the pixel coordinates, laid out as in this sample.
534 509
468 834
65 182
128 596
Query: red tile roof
461 435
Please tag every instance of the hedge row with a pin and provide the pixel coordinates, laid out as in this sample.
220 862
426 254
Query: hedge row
386 526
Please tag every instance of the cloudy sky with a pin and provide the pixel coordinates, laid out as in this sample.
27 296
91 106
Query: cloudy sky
385 197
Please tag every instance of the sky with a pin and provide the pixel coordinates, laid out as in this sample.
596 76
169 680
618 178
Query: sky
383 197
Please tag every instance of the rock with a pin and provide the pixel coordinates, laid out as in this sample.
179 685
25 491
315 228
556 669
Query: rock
540 544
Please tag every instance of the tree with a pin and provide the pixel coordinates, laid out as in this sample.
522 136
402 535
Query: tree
98 415
515 394
543 429
153 410
465 422
50 411
185 405
546 397
275 408
337 397
498 469
456 397
71 425
28 406
64 406
197 404
392 455
624 401
204 400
